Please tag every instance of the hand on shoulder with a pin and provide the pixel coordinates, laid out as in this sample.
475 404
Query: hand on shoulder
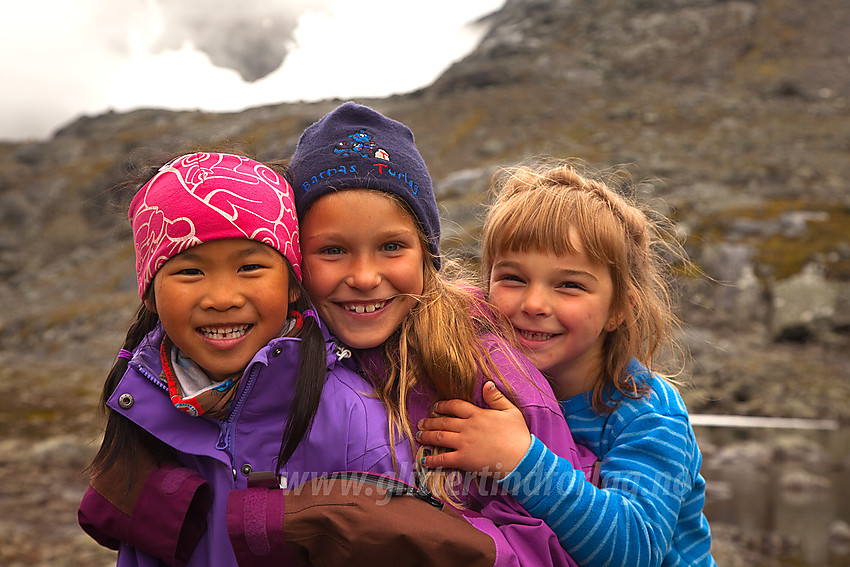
487 441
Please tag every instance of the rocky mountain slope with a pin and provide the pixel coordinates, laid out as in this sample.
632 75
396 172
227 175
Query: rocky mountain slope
732 117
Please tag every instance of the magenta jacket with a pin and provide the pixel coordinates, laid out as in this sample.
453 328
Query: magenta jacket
520 538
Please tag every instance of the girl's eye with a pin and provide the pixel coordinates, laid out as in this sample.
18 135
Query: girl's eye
570 285
332 250
190 272
392 247
250 267
511 278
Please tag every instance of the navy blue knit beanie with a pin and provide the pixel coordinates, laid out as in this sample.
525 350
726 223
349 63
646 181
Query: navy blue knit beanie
354 147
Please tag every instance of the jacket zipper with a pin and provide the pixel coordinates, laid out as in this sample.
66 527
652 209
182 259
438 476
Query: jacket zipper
143 370
393 486
226 436
341 352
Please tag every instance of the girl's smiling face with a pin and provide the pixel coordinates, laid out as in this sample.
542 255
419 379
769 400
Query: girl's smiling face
560 309
222 301
363 264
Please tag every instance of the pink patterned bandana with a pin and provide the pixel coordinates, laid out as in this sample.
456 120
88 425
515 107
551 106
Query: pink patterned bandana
201 197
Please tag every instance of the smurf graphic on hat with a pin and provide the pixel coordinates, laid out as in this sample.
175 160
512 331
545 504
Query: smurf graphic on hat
359 143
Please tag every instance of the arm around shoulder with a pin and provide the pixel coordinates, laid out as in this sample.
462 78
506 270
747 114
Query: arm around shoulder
351 519
165 516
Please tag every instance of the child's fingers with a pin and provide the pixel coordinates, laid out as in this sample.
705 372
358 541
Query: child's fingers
458 408
442 423
495 398
447 439
449 460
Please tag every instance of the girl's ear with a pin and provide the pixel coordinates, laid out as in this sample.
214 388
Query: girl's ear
616 317
150 303
613 323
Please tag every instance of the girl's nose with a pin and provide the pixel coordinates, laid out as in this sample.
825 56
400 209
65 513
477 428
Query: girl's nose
221 296
535 303
364 274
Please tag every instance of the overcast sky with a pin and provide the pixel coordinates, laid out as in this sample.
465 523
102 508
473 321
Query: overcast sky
63 58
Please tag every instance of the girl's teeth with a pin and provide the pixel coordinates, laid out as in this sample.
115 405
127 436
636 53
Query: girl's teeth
365 308
536 336
222 333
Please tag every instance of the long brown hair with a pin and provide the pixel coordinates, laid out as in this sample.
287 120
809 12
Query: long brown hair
543 207
441 344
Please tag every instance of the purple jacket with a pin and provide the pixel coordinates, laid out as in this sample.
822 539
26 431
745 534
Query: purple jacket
349 433
520 539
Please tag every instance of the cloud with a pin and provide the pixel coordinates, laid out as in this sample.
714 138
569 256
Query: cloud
63 59
252 37
58 59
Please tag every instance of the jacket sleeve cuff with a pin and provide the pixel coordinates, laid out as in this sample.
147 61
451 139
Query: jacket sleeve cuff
167 521
102 521
255 527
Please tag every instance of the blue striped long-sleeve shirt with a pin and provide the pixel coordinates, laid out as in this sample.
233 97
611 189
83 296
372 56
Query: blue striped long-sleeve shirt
650 509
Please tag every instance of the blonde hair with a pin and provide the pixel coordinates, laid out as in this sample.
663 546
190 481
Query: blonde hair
440 344
542 208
